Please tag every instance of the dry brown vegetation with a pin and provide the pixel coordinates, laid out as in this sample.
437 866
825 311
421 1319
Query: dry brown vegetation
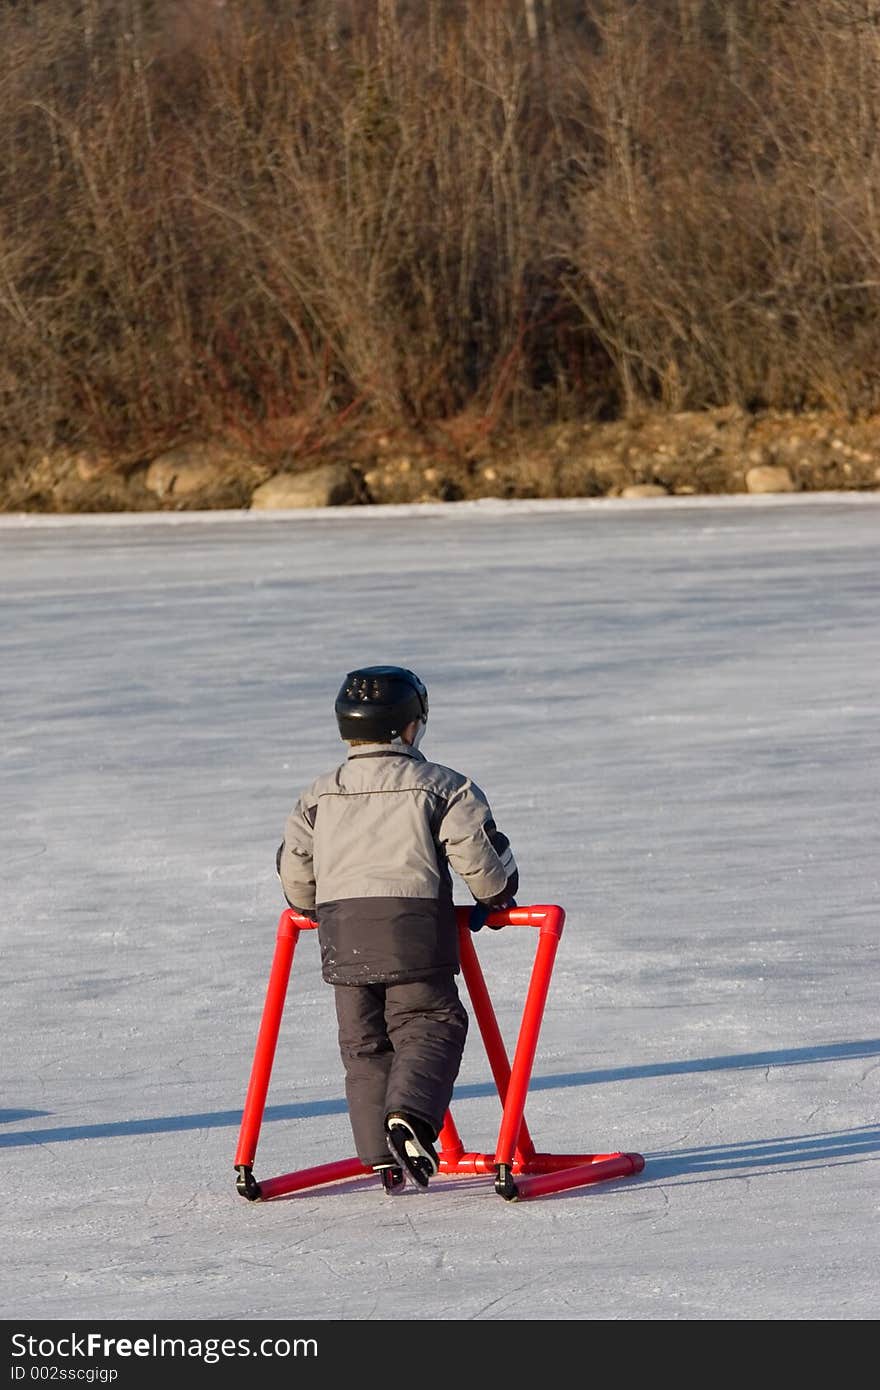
219 215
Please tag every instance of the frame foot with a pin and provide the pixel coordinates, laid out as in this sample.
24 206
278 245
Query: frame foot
504 1184
246 1184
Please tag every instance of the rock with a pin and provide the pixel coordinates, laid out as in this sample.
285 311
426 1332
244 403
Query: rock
165 477
91 465
331 485
645 490
209 470
769 477
202 467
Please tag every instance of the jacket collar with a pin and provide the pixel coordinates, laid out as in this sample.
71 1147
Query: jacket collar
396 749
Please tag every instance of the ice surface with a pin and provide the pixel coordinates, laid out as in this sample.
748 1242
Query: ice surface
674 711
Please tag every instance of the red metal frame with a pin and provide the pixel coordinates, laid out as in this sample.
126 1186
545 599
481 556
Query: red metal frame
519 1171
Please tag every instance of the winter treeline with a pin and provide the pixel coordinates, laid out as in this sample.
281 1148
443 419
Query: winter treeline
225 211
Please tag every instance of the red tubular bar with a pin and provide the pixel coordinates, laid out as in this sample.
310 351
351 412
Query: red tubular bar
289 927
489 1030
549 1165
536 1173
449 1140
312 1177
610 1166
551 924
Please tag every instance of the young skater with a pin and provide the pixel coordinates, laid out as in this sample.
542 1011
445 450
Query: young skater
367 853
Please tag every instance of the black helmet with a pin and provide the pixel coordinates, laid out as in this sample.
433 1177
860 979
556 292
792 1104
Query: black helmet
376 702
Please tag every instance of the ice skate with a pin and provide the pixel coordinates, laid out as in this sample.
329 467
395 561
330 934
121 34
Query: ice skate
410 1141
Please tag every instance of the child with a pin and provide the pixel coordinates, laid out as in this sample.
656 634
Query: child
367 853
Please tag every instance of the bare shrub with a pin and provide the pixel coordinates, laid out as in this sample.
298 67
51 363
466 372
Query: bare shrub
721 236
233 217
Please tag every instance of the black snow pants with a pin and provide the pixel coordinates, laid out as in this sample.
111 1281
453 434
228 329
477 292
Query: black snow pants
401 1046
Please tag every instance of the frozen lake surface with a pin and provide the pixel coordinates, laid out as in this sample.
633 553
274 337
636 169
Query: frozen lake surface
673 709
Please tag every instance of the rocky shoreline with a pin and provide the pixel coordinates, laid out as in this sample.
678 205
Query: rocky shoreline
655 455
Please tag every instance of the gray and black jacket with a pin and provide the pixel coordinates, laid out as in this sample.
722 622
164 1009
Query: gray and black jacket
368 850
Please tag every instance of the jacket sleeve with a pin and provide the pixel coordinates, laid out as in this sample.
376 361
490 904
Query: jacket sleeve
293 860
502 847
476 849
